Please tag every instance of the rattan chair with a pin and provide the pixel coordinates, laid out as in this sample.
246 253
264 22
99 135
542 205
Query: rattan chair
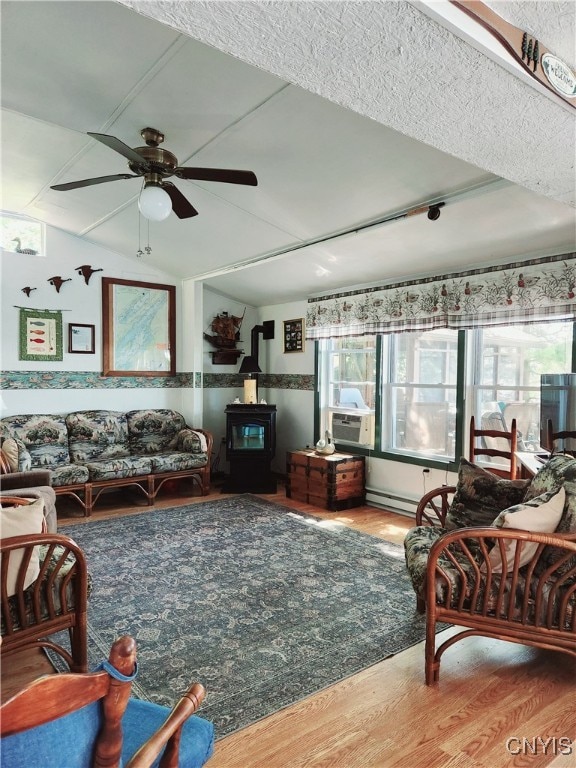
57 599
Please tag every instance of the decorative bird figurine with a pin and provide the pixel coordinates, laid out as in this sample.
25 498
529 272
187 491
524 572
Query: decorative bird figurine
87 271
57 282
19 249
325 446
28 290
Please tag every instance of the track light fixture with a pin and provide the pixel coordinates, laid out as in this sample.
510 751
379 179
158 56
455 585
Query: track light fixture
434 211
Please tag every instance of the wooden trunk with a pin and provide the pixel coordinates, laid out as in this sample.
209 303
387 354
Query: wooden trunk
333 482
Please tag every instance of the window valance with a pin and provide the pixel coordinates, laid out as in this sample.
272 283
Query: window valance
537 290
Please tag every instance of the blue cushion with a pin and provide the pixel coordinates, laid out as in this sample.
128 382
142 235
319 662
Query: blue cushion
142 719
64 743
69 741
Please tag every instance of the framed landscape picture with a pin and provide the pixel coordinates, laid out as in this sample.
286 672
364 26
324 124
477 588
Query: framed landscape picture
294 335
138 328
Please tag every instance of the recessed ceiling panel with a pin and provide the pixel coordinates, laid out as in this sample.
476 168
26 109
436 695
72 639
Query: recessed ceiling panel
219 236
74 63
322 167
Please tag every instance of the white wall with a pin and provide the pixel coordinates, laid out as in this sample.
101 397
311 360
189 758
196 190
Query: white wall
80 303
388 483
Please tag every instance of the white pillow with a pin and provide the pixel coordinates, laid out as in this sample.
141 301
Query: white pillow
539 515
19 521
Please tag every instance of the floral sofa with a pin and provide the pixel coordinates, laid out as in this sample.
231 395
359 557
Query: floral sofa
498 557
90 451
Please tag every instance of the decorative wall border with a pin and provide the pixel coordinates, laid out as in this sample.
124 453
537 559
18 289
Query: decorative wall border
93 380
294 381
22 380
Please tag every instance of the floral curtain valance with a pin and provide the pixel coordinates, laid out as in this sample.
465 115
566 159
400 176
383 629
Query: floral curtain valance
529 291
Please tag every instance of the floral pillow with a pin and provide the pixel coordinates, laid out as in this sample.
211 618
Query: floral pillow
481 496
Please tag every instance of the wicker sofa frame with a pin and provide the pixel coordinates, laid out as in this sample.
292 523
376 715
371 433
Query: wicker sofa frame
81 480
531 605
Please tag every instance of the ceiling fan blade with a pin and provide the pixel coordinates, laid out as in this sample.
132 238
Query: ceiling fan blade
218 174
181 207
119 146
89 182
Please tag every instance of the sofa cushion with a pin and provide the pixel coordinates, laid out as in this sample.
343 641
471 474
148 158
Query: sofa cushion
69 474
20 520
114 469
154 430
191 441
481 496
174 462
540 515
97 435
44 437
417 545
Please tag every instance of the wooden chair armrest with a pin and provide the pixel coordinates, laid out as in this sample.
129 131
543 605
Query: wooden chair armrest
472 563
169 733
433 506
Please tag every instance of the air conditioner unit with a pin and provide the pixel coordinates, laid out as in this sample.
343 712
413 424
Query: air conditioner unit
353 428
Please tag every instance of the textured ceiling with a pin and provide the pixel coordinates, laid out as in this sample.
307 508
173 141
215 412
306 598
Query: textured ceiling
390 62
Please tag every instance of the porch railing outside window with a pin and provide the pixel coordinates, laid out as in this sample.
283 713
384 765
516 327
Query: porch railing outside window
410 388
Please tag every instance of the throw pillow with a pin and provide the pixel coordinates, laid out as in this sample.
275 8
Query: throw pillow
481 496
19 521
540 515
10 451
5 468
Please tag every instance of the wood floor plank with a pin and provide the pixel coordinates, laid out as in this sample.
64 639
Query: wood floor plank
385 716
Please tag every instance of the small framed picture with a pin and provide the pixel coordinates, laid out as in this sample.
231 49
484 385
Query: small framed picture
294 335
81 339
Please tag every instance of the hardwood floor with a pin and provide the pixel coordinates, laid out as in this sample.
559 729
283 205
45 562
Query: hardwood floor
491 694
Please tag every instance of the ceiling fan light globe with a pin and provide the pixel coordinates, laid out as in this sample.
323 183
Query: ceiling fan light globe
154 203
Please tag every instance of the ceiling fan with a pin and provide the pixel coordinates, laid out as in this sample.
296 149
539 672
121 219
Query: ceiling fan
155 165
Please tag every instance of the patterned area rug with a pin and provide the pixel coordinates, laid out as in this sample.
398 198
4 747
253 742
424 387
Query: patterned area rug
262 605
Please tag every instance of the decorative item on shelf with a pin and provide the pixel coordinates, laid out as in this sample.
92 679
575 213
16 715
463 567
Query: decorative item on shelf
250 366
325 446
19 249
86 271
28 290
225 334
58 282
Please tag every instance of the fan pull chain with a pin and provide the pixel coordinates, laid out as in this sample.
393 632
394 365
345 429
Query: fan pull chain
148 249
139 252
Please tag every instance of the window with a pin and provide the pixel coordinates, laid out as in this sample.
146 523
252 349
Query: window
507 364
411 386
20 232
348 386
419 402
